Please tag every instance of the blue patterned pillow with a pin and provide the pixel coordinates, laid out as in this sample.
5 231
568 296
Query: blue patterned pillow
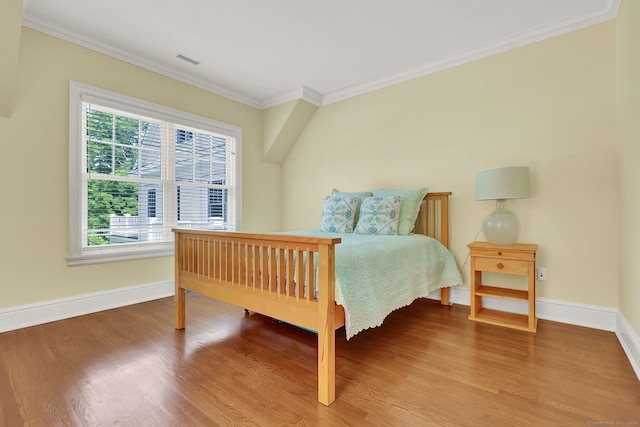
379 215
361 194
411 201
338 214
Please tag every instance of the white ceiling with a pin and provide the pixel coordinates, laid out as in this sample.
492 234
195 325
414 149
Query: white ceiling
264 52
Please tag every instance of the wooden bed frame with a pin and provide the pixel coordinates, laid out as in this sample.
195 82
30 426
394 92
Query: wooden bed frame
265 274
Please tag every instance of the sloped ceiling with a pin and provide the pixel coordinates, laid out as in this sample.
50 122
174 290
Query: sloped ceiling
263 53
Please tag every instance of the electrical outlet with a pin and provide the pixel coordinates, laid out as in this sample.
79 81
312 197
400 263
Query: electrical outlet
541 274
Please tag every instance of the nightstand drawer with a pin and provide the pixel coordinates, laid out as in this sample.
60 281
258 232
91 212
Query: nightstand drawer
497 253
496 265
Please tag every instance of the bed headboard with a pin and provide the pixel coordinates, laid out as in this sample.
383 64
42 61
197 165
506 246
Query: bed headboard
433 217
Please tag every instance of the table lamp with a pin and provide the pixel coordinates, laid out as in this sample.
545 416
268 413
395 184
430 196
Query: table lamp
500 227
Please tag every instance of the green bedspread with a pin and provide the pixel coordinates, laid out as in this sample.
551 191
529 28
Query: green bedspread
376 275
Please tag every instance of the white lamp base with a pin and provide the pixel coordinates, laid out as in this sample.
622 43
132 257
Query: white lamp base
500 227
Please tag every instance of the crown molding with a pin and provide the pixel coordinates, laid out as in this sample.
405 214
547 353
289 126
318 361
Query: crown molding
312 96
100 47
518 40
305 93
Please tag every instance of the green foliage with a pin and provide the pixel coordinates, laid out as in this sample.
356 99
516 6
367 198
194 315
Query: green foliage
111 156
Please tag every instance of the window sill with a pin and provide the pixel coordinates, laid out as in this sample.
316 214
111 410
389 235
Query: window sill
104 256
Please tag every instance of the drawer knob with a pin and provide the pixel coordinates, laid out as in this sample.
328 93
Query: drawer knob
500 265
500 253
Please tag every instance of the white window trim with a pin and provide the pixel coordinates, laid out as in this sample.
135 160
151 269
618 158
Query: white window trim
79 93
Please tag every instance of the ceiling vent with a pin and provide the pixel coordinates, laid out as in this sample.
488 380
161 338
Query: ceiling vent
189 60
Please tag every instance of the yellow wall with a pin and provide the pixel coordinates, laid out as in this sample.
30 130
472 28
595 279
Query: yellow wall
628 65
550 105
34 174
10 18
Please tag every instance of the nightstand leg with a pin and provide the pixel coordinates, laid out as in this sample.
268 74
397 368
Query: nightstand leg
532 296
477 299
476 283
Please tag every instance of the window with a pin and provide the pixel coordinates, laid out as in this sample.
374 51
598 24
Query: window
138 169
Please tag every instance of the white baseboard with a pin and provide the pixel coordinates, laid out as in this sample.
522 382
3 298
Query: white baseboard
23 316
590 316
573 313
630 342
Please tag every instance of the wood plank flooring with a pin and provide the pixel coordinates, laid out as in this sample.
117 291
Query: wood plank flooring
427 365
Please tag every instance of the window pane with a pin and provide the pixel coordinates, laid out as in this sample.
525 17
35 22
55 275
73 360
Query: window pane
123 212
150 164
217 204
100 158
150 218
219 174
219 149
126 161
184 137
106 200
151 135
202 145
195 206
99 126
201 159
184 169
126 131
202 171
192 205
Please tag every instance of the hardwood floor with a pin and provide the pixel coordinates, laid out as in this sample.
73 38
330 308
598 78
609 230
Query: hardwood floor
427 365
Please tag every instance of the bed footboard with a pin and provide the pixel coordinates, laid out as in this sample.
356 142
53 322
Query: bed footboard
290 278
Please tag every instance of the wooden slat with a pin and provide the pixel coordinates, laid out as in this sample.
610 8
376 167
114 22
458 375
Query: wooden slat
282 278
273 266
309 282
264 268
219 266
290 273
256 267
299 275
242 265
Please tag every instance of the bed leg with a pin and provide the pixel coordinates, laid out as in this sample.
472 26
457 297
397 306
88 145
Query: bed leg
326 330
179 301
444 296
326 366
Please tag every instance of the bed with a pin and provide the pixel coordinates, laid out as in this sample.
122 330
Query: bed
296 278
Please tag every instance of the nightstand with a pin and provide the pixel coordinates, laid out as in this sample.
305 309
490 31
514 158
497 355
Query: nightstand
519 259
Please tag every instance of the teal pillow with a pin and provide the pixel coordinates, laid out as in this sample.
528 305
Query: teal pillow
379 215
338 214
361 194
411 201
